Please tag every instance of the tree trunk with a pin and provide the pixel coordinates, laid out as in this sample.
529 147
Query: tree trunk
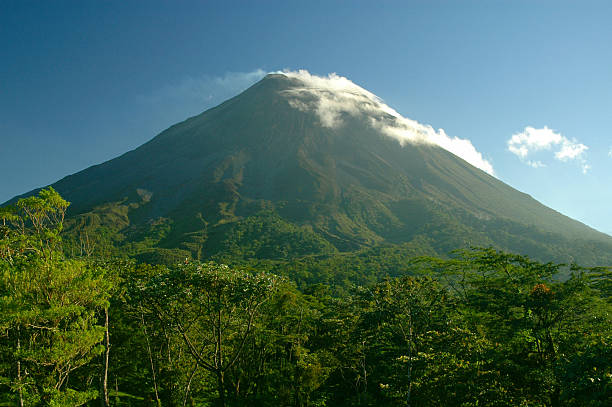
107 353
221 388
116 391
410 351
219 358
144 328
19 367
188 388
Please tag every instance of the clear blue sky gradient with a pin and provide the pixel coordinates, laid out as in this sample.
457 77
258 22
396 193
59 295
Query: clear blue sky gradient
84 81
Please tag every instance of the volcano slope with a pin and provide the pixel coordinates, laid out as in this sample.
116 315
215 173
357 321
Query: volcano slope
298 166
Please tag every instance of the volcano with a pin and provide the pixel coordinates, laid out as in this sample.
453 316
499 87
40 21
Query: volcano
299 165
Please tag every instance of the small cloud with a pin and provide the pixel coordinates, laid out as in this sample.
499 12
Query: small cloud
332 97
532 140
585 168
535 164
610 152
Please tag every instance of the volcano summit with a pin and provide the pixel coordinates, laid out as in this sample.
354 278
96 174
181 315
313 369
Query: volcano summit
301 165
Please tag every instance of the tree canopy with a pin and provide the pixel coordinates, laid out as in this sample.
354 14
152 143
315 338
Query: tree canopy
480 328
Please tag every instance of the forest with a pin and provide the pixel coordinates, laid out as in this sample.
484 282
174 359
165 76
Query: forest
480 327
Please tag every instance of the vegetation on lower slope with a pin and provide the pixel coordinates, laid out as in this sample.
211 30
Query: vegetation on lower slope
267 231
378 327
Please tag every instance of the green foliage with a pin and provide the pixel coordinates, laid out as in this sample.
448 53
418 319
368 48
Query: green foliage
49 307
265 236
375 327
168 257
211 309
536 320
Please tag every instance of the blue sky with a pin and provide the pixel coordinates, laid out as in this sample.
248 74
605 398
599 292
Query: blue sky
84 81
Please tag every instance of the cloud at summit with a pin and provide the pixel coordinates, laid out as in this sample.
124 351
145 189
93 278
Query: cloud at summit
333 96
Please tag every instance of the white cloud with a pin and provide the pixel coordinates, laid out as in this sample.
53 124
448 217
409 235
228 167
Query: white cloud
532 140
536 164
570 150
610 152
333 96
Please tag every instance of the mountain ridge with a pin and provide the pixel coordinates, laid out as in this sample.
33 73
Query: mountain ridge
340 176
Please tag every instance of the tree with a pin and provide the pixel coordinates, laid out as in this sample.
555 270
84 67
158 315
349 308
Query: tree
539 317
49 306
212 309
401 317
